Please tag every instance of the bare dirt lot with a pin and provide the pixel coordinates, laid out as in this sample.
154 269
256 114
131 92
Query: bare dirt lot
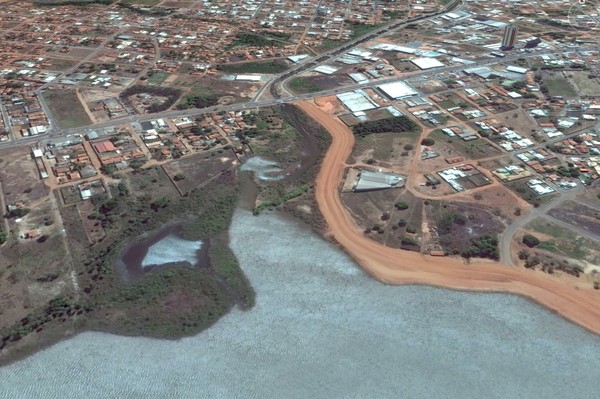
388 150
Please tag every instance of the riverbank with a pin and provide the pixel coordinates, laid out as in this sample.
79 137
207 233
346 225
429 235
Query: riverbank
393 266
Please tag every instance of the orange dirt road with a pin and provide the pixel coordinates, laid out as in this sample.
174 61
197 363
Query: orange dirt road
394 266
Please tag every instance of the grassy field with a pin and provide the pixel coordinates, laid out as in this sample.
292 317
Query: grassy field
66 109
328 44
303 85
559 87
268 67
359 30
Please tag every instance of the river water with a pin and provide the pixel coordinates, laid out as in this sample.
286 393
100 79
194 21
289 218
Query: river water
321 328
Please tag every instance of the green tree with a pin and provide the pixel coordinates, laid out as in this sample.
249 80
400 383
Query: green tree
428 141
401 205
531 240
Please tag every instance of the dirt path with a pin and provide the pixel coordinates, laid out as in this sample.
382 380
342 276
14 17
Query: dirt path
393 266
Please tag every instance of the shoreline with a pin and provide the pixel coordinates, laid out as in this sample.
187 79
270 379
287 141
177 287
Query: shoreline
579 306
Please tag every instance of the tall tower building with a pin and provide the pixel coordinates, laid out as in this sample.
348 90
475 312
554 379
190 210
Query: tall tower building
510 37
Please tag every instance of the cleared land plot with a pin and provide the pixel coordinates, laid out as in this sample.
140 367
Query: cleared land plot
60 64
428 86
376 213
559 87
385 148
579 215
563 242
193 172
455 146
66 109
20 177
377 114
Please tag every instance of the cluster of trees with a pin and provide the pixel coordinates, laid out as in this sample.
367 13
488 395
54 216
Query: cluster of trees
17 213
401 205
199 101
531 240
171 96
58 308
445 224
428 141
485 246
568 171
396 124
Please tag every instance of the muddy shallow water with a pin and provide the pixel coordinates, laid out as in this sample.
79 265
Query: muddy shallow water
322 328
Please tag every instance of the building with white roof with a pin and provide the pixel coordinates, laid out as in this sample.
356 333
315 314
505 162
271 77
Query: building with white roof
426 63
397 90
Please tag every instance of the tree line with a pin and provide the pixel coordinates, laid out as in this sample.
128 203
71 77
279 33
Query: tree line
397 124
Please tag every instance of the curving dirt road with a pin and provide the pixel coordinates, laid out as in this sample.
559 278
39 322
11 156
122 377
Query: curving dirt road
394 266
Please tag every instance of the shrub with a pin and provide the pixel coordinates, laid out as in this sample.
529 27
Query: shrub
428 141
531 240
396 124
401 205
